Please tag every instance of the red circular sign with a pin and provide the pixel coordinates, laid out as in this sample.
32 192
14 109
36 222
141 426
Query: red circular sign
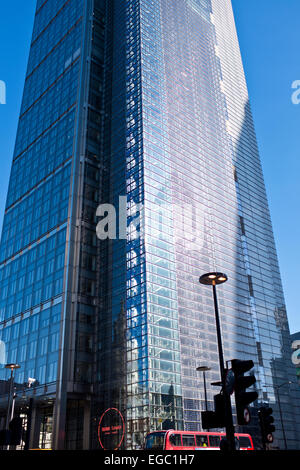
111 429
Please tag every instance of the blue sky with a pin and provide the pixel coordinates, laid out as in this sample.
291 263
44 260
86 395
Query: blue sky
269 39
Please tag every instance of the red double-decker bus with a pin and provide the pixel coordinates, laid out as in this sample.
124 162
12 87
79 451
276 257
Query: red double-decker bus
187 440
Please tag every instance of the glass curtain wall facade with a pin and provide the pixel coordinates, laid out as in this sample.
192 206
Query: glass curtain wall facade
49 254
192 160
143 105
36 231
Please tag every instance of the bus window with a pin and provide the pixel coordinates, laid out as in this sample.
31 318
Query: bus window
201 441
155 440
188 440
245 442
214 441
175 440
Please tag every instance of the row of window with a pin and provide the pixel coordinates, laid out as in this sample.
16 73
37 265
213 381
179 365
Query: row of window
48 109
52 67
42 159
46 14
57 28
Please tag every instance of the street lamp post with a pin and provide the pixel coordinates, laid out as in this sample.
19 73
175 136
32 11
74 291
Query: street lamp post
30 383
280 411
13 405
204 369
214 279
12 368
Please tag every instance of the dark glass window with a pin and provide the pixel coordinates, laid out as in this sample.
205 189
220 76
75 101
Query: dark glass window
250 286
242 225
155 440
175 440
201 441
214 441
245 442
188 441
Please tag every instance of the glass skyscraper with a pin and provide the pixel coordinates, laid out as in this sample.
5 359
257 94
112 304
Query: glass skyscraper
139 105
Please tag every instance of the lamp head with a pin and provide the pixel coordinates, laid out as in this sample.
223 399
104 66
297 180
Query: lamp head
213 279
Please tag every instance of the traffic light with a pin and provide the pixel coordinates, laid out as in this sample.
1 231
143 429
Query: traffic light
267 428
16 431
215 419
242 397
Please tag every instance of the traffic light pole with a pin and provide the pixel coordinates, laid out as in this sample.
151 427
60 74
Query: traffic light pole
29 425
220 346
228 410
281 419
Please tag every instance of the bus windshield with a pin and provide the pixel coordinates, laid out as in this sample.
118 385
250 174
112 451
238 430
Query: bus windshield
155 440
